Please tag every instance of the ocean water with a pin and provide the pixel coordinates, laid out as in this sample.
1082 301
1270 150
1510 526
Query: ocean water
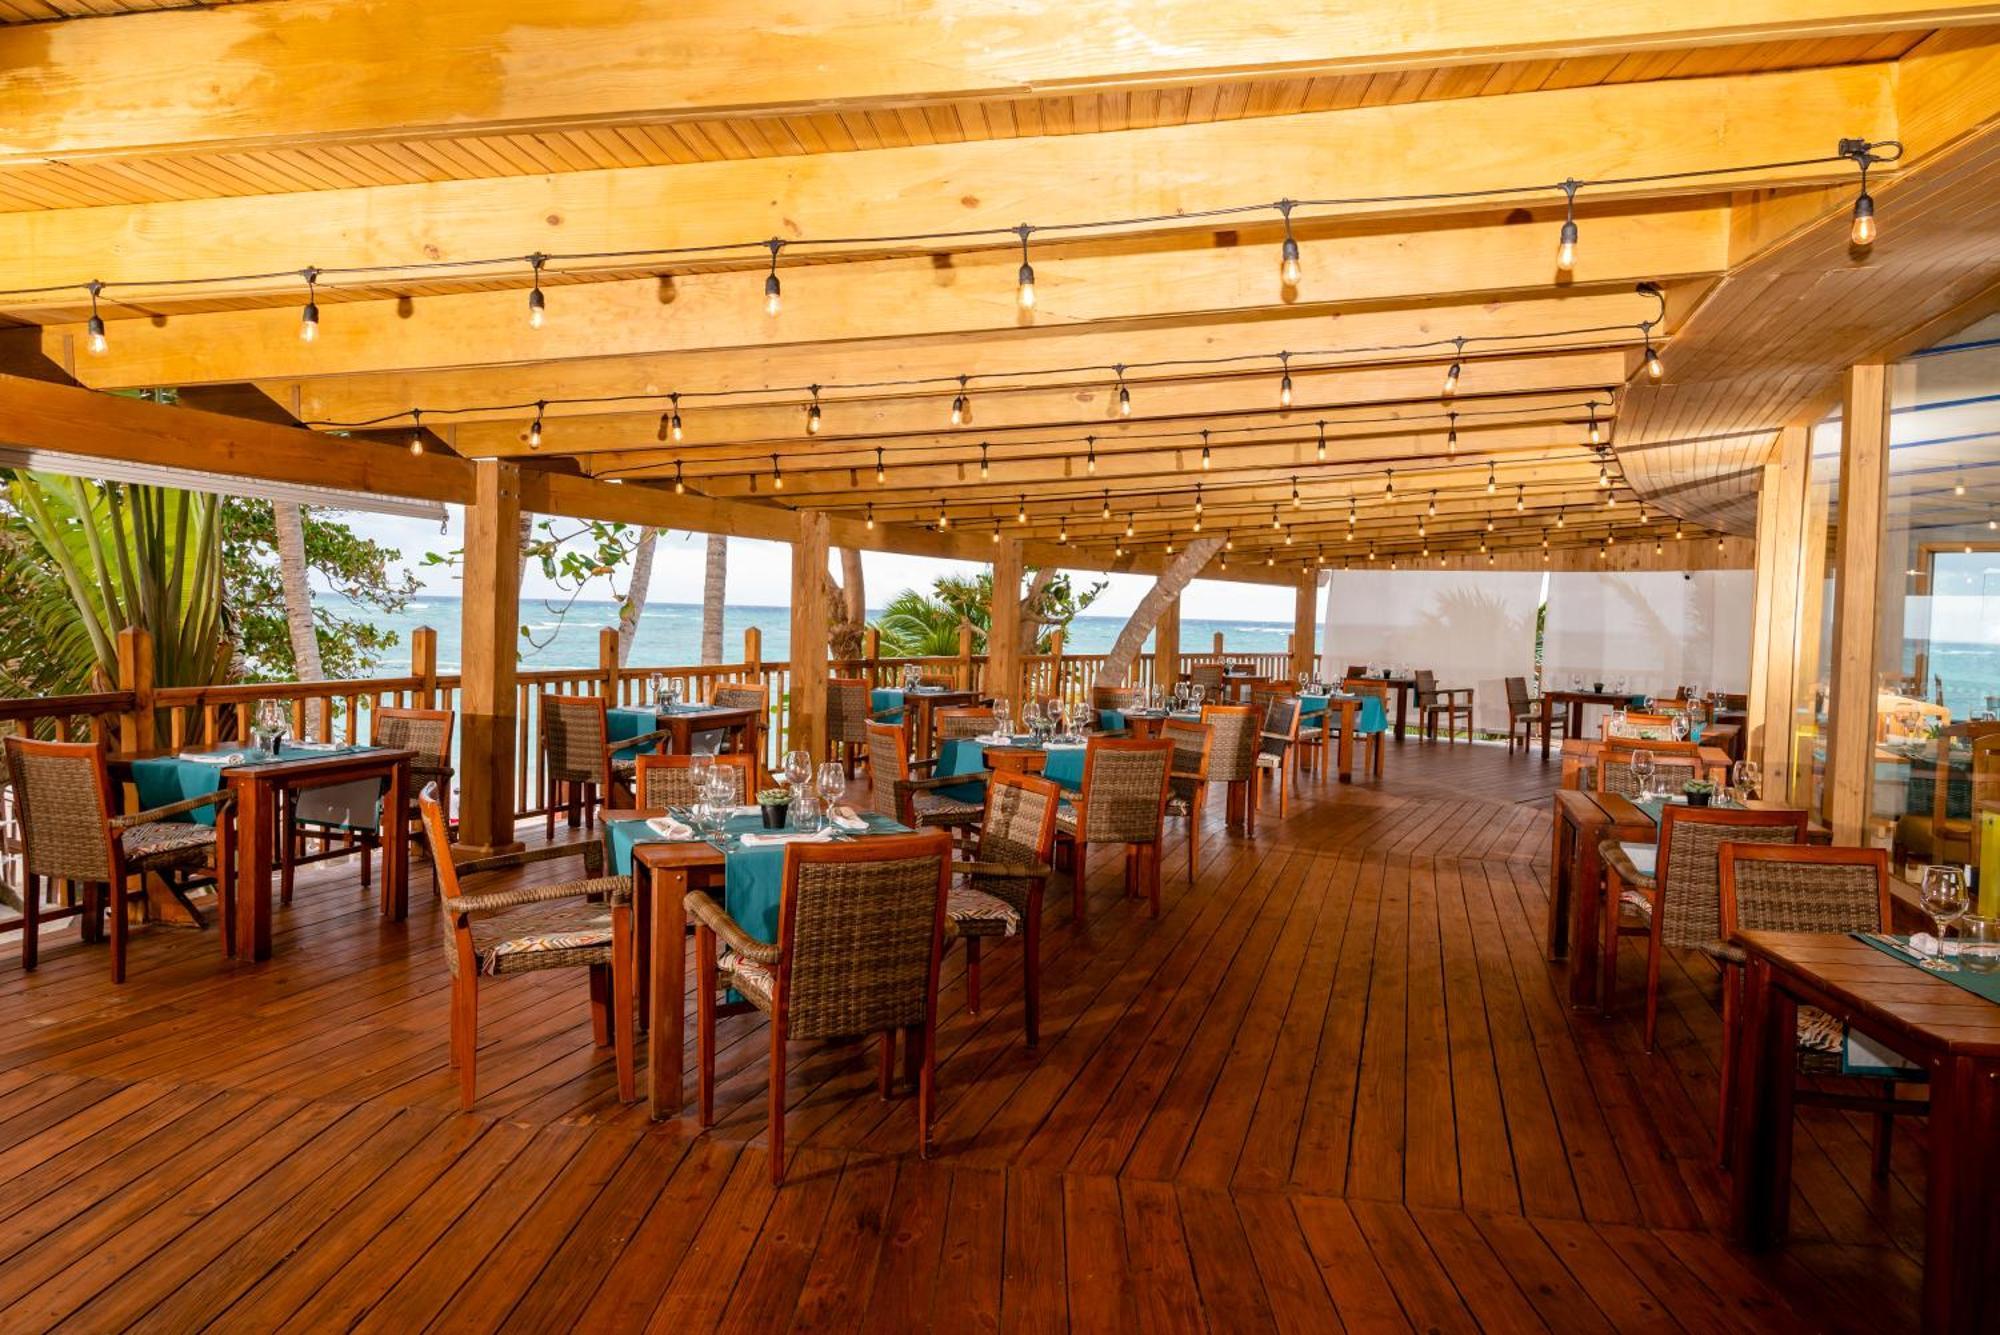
670 633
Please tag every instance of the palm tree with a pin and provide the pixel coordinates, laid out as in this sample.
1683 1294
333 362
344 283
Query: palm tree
634 605
714 585
916 625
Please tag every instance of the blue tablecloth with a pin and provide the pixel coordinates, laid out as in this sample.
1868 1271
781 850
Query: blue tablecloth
1372 717
962 755
1312 704
164 780
886 705
638 720
1062 765
1655 806
1110 720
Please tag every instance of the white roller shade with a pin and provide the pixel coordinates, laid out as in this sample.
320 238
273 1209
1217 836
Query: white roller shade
1659 630
1470 628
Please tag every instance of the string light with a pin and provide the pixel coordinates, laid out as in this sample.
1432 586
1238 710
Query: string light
1566 241
1861 232
309 317
1596 434
1457 367
680 488
1433 507
1560 521
1718 542
881 474
777 476
1603 471
1545 539
871 516
1124 393
670 421
416 431
1295 493
1677 530
1958 485
535 431
538 305
1654 370
1274 518
94 328
1204 449
1107 506
959 407
1285 384
812 413
1024 280
944 518
772 288
1520 497
1451 437
1322 441
1489 523
1288 252
1128 525
984 470
1021 515
1492 477
1389 485
996 532
1090 457
1062 533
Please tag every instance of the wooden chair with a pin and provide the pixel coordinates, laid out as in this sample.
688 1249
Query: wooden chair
750 696
860 936
69 833
848 713
1232 760
1187 785
1954 838
579 764
1357 669
1524 715
585 923
1674 763
1123 800
1209 677
1274 746
1002 894
960 722
1782 888
1119 698
1375 740
668 781
902 794
1451 701
424 731
1635 722
1677 903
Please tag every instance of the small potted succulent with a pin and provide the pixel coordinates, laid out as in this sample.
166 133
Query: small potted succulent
776 804
1699 792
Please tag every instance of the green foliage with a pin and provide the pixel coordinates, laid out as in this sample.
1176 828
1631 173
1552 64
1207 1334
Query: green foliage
916 624
356 568
571 559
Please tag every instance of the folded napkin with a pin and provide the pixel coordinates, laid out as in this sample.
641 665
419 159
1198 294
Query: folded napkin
750 810
996 739
1065 746
316 746
669 828
1925 944
758 839
201 758
848 819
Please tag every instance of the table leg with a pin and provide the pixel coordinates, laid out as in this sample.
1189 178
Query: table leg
1584 896
1559 889
1575 719
666 1011
1961 1239
1402 709
680 737
1349 714
1766 1059
396 844
254 803
1546 721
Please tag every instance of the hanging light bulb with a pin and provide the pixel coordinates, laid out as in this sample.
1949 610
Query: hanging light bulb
1654 369
1658 547
1288 252
1107 506
777 475
1295 493
1958 485
1451 437
1389 484
674 424
1596 433
1322 443
416 431
1492 477
1603 472
1718 542
1610 499
309 316
680 487
1274 518
1677 530
1545 539
1128 525
1062 533
535 431
1197 498
1862 232
881 474
812 413
944 518
1489 523
996 533
984 470
772 288
1021 515
871 516
1566 240
1457 367
1229 543
1270 560
1124 394
1288 537
1024 280
1433 507
959 406
1285 383
1559 517
94 328
1090 458
1204 449
1520 497
537 303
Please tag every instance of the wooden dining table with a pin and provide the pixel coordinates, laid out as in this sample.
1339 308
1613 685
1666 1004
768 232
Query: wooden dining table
1953 1033
1573 702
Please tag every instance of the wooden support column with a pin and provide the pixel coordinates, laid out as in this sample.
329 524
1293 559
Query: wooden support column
1864 485
488 636
1305 625
424 667
1167 645
1783 565
1003 630
809 632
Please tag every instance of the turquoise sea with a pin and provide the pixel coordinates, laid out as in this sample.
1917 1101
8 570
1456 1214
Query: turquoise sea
670 633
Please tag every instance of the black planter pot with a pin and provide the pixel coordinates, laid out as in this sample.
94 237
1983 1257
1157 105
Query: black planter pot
1698 799
775 814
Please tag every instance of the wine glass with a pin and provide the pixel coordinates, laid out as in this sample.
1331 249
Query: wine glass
1643 774
701 765
1747 778
798 768
1679 727
1058 717
1031 720
831 782
1943 897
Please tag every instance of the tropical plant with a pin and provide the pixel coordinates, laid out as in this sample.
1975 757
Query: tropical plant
357 569
926 625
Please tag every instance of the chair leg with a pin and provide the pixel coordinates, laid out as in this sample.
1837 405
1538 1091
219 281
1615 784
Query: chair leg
457 1044
1725 1090
1077 863
1607 958
925 1035
777 1103
600 1005
1284 792
288 851
885 1083
972 975
550 787
119 930
1653 978
1031 974
1885 1135
468 1053
624 990
913 1054
31 919
1195 802
1150 853
704 1022
367 862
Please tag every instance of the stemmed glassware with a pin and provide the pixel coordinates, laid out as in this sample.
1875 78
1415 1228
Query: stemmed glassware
1679 727
1943 896
1003 719
798 769
656 688
831 780
1031 720
701 765
1643 774
274 721
1747 779
1058 717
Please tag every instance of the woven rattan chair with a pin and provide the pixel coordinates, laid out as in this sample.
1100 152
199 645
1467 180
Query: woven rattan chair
1002 894
424 731
68 833
1122 801
747 695
1678 905
860 935
1119 698
1524 715
960 722
848 713
1635 723
523 929
1374 741
1274 747
1781 888
1232 759
902 793
667 781
1952 833
579 765
1674 763
1187 785
1209 677
1453 702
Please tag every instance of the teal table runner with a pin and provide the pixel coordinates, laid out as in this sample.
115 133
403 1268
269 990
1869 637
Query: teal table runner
1371 717
962 755
1983 984
1654 806
1110 720
1062 765
886 705
165 780
1312 704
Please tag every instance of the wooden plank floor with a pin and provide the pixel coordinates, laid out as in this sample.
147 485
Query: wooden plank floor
1333 1085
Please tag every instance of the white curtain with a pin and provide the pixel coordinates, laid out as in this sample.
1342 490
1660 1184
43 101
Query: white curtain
1470 628
1657 630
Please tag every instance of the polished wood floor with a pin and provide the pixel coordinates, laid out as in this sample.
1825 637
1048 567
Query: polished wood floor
1334 1085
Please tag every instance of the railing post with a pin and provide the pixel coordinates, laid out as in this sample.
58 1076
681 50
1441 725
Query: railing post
424 666
1004 649
607 663
871 655
1167 645
135 674
1218 644
753 649
1305 625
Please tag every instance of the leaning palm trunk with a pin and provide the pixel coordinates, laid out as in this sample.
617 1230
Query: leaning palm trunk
1117 664
635 596
288 519
850 609
140 556
714 585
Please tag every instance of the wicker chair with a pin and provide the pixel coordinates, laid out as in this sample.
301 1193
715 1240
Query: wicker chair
1944 834
902 794
578 761
960 722
1780 888
1635 723
1119 698
1454 702
1677 905
1123 800
1004 884
1673 764
1209 677
1232 759
563 925
1524 715
848 713
1375 687
1274 747
63 793
750 696
1187 785
667 781
860 937
424 731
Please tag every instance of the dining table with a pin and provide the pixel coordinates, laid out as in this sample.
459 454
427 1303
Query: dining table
916 708
749 878
1404 687
739 727
1947 1023
1573 701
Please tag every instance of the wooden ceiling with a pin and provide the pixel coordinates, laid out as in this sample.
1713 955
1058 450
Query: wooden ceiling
170 154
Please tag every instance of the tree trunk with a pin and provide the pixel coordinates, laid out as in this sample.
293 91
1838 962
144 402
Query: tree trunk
289 521
1029 607
1118 663
714 584
635 596
850 606
853 586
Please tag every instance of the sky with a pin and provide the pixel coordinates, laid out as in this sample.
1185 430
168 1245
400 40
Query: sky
760 573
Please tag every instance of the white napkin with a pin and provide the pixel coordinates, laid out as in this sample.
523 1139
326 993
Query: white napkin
1065 746
315 746
1926 945
750 810
847 819
759 839
199 758
995 739
669 828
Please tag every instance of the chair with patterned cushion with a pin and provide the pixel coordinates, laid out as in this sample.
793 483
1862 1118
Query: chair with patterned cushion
903 794
1002 894
1123 800
668 781
1232 759
1674 763
1786 888
524 929
1274 747
861 929
849 708
1632 725
1187 784
1677 902
580 765
63 795
1454 702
